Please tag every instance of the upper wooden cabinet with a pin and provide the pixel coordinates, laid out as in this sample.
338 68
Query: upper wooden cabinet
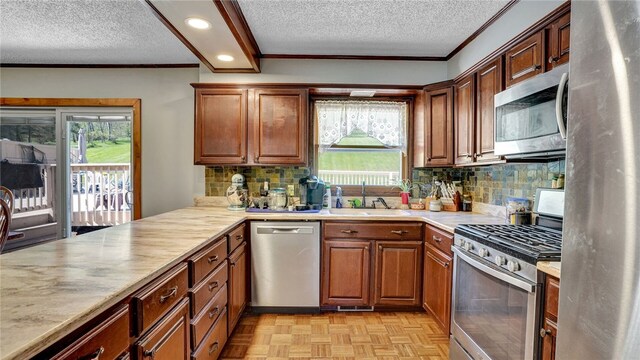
558 42
525 59
250 126
489 84
279 122
439 127
464 120
221 126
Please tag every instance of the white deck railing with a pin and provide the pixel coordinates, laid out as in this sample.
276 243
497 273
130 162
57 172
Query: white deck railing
101 194
347 177
30 199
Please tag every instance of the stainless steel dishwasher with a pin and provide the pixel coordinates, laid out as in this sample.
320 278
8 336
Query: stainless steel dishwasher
285 266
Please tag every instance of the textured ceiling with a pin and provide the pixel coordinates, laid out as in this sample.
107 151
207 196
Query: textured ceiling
86 32
365 27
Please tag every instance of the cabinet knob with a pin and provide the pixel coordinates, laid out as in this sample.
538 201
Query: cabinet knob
428 159
553 59
544 332
537 67
243 158
256 158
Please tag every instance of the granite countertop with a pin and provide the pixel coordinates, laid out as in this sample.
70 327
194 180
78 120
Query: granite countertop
550 267
49 290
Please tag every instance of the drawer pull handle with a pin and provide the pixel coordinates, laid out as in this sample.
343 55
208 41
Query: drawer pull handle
544 332
213 259
150 353
172 292
213 348
213 285
239 237
399 232
436 239
213 312
94 355
349 231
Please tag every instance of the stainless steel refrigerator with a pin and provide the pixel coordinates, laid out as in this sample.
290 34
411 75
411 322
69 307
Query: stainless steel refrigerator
599 314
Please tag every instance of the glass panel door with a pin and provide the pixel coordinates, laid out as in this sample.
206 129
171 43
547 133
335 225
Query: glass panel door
491 312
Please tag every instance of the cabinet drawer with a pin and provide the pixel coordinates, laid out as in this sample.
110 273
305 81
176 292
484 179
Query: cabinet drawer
439 239
205 290
106 341
236 237
203 321
378 231
202 263
157 298
214 341
169 339
552 290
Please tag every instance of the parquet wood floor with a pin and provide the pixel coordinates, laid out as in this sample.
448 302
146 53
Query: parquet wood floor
338 336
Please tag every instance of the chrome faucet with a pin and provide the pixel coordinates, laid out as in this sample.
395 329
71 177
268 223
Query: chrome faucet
364 196
381 201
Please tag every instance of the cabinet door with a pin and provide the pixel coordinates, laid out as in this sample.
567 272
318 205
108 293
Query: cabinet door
398 267
221 126
464 120
439 127
489 84
169 339
548 333
437 286
346 268
558 49
237 284
525 60
279 121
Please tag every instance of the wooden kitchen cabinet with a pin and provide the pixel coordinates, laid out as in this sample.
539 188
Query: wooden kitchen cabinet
438 143
238 272
464 120
558 48
525 59
549 329
169 338
346 271
438 275
398 273
489 84
220 127
279 123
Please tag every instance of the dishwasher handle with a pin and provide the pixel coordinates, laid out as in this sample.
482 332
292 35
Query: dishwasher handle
284 230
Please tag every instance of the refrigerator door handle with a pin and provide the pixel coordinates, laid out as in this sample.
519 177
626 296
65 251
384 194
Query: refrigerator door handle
497 273
559 96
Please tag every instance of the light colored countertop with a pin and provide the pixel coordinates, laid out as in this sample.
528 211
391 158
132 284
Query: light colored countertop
49 290
550 267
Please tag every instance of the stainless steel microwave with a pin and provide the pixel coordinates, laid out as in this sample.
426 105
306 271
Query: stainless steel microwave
531 117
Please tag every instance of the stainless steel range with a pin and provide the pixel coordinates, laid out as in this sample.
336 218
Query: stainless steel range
496 291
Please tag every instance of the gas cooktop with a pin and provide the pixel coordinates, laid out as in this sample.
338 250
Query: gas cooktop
531 243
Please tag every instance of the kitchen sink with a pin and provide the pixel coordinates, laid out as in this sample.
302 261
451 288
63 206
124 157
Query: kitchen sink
365 212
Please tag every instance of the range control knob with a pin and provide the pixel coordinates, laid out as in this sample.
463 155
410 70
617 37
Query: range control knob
513 266
483 252
499 260
468 246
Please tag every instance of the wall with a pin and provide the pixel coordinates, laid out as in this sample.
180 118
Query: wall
522 15
337 71
494 183
169 178
218 178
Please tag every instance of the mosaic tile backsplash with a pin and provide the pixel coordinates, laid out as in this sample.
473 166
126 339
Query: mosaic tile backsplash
487 184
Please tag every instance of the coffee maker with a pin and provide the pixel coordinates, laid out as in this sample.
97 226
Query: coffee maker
312 192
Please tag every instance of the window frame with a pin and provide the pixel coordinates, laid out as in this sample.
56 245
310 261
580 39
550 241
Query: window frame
371 190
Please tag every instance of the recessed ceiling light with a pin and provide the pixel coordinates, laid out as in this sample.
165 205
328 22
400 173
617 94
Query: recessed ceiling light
198 23
225 57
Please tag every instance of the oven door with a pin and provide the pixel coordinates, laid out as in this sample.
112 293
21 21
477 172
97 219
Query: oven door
531 118
494 312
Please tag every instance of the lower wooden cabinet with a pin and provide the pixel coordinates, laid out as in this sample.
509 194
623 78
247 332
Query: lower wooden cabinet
237 284
214 341
436 287
549 328
169 338
398 272
339 259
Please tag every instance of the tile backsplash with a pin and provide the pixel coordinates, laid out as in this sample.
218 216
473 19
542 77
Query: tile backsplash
490 184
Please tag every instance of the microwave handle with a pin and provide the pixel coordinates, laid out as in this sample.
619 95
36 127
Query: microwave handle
559 96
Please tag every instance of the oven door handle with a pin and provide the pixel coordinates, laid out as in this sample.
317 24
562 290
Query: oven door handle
559 96
497 273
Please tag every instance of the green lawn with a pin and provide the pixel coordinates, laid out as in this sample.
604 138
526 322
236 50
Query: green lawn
360 160
108 152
